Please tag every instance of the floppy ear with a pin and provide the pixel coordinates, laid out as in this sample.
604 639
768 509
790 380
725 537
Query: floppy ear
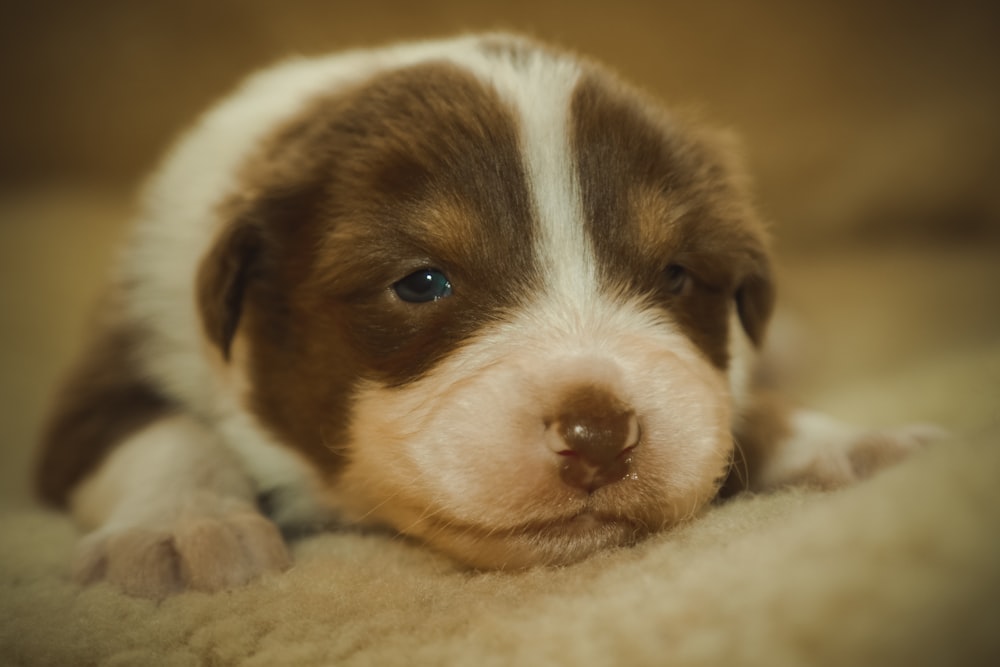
755 290
223 279
755 301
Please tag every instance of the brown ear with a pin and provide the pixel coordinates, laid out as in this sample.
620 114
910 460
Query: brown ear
223 278
755 302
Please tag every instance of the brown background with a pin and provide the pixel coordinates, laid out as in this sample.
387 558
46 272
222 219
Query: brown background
871 128
854 99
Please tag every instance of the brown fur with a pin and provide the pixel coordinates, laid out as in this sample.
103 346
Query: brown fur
656 194
421 167
759 430
418 168
104 400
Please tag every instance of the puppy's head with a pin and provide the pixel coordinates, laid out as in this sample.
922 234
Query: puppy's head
492 298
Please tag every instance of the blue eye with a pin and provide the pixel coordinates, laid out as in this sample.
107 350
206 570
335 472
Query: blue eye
423 286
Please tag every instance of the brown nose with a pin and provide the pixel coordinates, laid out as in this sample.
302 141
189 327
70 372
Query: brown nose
594 433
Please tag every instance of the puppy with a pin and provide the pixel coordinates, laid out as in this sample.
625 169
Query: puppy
475 290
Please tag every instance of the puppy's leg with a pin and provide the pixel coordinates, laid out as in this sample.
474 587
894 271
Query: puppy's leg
172 509
780 445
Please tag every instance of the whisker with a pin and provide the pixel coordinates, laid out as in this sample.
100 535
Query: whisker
743 470
381 504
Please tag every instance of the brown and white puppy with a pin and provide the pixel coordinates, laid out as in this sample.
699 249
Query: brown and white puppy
475 290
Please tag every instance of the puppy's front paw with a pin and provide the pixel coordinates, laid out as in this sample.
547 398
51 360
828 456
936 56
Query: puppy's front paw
825 453
199 551
874 450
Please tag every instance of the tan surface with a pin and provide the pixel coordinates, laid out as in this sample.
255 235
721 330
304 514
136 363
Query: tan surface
874 139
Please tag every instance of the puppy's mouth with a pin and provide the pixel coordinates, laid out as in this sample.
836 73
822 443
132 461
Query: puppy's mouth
582 523
557 541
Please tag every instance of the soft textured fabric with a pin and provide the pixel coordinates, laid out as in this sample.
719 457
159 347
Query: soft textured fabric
903 570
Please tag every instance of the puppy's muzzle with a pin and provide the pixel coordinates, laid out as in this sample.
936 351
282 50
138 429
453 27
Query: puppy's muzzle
595 434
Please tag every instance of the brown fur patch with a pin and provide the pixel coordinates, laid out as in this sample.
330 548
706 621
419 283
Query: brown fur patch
417 168
761 429
222 280
657 192
104 401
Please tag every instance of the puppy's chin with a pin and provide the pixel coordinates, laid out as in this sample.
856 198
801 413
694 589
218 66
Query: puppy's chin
561 533
556 542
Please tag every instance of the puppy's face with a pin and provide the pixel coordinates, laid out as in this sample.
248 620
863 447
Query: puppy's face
494 310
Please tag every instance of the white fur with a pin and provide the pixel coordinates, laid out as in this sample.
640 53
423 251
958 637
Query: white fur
742 356
160 468
822 450
465 446
540 89
816 439
173 509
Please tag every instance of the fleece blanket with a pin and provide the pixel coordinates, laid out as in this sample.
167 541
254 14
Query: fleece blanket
903 569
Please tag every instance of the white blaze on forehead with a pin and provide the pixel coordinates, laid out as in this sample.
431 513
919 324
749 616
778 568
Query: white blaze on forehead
539 86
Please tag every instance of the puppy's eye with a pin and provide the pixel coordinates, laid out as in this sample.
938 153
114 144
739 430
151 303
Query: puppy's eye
676 278
423 286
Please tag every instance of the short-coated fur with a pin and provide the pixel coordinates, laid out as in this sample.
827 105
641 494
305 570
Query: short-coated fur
584 382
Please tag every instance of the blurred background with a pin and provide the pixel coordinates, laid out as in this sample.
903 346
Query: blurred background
872 130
